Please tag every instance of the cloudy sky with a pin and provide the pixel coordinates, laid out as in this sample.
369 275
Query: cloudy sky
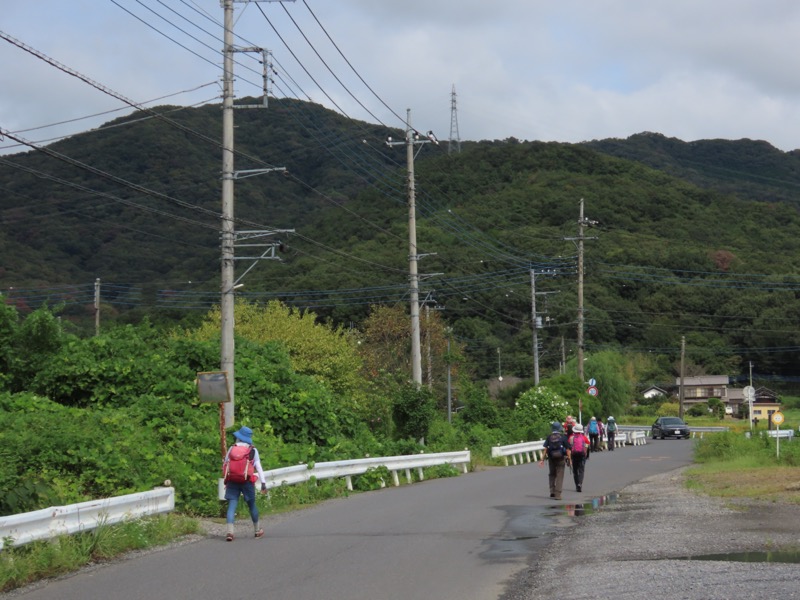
557 71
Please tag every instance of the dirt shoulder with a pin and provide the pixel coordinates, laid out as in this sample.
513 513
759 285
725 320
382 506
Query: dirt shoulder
638 547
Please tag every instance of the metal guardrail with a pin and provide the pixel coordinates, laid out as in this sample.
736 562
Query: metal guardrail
533 451
348 468
49 523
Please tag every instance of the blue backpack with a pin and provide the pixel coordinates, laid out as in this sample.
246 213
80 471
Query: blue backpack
592 427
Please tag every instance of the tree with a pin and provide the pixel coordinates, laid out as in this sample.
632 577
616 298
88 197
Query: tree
324 352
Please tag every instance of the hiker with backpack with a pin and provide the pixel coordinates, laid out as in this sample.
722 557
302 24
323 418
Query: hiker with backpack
241 468
579 454
593 429
611 432
557 453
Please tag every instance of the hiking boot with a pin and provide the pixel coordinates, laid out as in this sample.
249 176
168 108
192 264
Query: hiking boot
259 533
578 489
229 537
552 495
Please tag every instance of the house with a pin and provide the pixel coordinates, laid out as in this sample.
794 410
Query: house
654 391
765 404
703 388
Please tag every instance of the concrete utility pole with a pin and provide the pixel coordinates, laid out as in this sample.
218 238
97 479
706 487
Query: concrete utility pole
413 139
228 236
449 380
680 391
535 330
97 306
582 222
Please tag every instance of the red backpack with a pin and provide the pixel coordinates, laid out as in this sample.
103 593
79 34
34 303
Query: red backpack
239 468
578 444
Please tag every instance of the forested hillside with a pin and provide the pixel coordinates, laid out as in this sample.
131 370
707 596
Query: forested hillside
697 240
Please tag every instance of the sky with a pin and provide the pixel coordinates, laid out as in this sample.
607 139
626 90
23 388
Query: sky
565 71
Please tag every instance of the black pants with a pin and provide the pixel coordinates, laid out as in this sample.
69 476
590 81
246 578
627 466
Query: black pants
611 435
578 468
594 441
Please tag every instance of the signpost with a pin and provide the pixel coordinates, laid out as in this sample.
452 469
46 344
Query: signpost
777 418
592 391
212 388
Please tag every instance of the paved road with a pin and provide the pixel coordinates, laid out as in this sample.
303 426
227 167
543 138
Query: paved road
453 539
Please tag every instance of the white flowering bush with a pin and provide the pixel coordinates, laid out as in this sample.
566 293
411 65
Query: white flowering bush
537 408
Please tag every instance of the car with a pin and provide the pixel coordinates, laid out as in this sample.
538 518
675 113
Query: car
665 427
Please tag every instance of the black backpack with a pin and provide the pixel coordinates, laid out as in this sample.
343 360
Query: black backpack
555 445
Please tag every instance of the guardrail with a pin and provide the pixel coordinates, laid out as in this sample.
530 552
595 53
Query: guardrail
780 433
348 468
49 523
533 451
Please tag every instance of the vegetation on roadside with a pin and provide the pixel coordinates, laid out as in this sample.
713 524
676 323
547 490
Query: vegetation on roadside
732 465
22 565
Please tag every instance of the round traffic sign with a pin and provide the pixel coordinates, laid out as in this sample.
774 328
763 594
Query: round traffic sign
592 382
592 390
777 418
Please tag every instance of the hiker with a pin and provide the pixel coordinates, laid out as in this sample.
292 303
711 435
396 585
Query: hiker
594 434
241 468
579 454
611 432
601 431
569 422
556 451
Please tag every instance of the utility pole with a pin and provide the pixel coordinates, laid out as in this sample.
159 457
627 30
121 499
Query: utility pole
97 306
449 380
428 345
580 294
680 391
413 138
535 330
582 222
228 236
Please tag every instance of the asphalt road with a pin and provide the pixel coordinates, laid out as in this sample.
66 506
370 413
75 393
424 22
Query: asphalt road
449 539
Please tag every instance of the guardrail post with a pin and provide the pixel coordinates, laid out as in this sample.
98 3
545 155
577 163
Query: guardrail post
396 479
349 481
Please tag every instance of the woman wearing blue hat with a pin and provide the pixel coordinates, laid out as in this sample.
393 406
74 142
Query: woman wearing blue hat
241 469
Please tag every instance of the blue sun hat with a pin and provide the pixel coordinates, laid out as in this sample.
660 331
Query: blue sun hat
245 434
556 427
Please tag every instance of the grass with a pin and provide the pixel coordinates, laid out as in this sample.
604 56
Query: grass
25 564
731 465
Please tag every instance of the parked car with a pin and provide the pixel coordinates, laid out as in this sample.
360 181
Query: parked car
665 427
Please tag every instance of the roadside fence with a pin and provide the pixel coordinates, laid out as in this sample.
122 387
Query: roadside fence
52 522
533 451
348 468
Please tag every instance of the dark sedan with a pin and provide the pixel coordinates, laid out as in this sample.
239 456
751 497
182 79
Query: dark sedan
665 427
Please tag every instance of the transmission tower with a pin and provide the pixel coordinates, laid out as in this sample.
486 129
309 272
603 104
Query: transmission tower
455 140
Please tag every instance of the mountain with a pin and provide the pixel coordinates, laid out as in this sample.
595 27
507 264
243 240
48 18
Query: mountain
697 240
750 169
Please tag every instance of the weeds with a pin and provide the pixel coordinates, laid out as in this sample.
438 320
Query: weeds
20 565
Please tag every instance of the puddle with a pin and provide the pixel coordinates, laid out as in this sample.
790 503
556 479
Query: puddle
530 528
778 556
587 508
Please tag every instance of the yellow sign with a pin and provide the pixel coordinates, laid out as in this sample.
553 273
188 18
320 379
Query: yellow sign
777 418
